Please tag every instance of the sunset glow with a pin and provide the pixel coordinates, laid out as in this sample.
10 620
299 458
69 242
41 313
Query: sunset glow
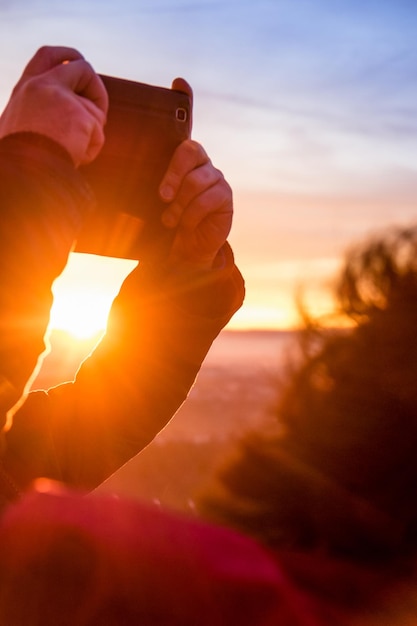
308 108
80 313
83 294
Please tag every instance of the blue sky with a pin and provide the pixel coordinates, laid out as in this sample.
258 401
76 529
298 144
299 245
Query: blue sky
308 107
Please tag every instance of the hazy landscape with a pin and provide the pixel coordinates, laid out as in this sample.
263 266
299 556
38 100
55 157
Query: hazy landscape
234 390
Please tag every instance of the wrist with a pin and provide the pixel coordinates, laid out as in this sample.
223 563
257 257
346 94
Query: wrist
51 171
37 141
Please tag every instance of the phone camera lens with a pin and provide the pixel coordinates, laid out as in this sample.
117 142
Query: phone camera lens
181 114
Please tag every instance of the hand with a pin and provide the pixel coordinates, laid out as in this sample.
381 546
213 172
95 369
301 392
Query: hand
59 95
200 204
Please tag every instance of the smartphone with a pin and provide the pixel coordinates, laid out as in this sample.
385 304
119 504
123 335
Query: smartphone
145 124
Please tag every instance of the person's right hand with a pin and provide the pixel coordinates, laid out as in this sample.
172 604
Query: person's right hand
59 95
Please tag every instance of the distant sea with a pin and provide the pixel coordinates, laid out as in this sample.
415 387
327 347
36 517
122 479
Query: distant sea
259 349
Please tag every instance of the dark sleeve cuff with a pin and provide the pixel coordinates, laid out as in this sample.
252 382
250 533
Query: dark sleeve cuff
38 155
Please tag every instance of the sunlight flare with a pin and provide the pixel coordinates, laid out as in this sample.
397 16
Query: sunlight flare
84 292
80 312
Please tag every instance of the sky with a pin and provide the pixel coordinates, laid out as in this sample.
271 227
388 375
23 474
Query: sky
309 107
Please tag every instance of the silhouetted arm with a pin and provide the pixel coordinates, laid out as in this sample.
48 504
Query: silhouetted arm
52 122
161 327
160 330
42 200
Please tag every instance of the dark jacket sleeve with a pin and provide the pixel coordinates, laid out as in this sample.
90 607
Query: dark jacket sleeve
160 330
42 201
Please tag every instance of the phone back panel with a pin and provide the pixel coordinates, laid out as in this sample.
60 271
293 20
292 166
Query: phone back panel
145 124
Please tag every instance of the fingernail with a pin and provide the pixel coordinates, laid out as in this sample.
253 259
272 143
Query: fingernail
167 192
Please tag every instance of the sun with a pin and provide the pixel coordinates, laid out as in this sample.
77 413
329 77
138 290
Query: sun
79 312
84 292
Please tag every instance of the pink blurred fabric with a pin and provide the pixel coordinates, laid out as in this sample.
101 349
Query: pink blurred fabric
72 559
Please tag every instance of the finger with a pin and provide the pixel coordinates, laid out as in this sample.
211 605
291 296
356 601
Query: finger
215 202
197 182
95 144
48 57
202 232
93 110
187 157
80 77
180 84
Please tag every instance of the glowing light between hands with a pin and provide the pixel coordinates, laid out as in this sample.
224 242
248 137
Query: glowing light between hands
84 292
82 314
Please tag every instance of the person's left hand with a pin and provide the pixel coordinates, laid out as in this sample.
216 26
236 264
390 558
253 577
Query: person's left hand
59 95
199 204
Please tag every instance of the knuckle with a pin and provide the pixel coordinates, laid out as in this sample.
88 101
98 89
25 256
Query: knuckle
221 179
42 53
33 85
86 65
196 151
227 187
192 145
